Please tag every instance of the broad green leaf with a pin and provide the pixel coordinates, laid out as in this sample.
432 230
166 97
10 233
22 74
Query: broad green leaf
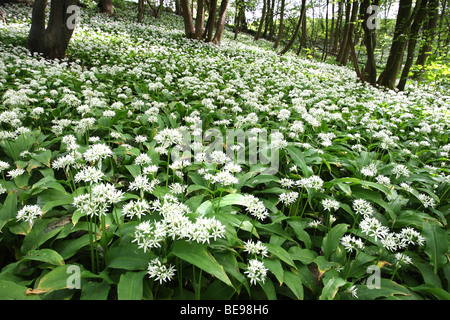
56 279
332 239
282 254
438 293
12 291
44 255
389 290
130 286
127 257
294 282
198 255
269 289
436 244
298 158
331 288
276 268
94 290
9 209
305 256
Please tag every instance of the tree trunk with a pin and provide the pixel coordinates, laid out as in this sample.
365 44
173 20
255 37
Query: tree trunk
389 75
106 6
280 28
413 36
325 45
200 20
370 70
187 18
429 35
263 18
297 29
52 41
140 11
221 24
211 23
348 37
337 32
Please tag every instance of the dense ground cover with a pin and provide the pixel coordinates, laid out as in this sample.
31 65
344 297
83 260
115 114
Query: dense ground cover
356 207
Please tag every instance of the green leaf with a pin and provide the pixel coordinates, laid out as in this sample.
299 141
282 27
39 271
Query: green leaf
436 246
269 289
198 255
57 279
332 239
331 288
13 291
299 159
276 268
93 290
305 256
130 286
389 290
282 254
294 282
439 293
44 255
9 209
127 257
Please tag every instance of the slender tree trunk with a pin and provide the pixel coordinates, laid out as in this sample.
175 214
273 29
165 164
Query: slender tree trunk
337 33
263 18
280 28
187 18
221 23
389 75
178 8
140 11
429 35
272 22
269 18
199 20
239 17
370 70
413 36
345 33
331 40
325 45
52 41
346 46
106 6
211 23
297 29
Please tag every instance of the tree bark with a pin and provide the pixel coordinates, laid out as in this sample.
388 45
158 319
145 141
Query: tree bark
221 23
52 41
280 28
263 19
106 6
211 23
370 70
140 11
297 29
413 36
429 36
348 36
187 18
389 75
200 20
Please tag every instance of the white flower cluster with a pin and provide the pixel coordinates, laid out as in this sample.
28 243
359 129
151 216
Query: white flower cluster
160 272
29 213
256 271
99 200
175 224
255 207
